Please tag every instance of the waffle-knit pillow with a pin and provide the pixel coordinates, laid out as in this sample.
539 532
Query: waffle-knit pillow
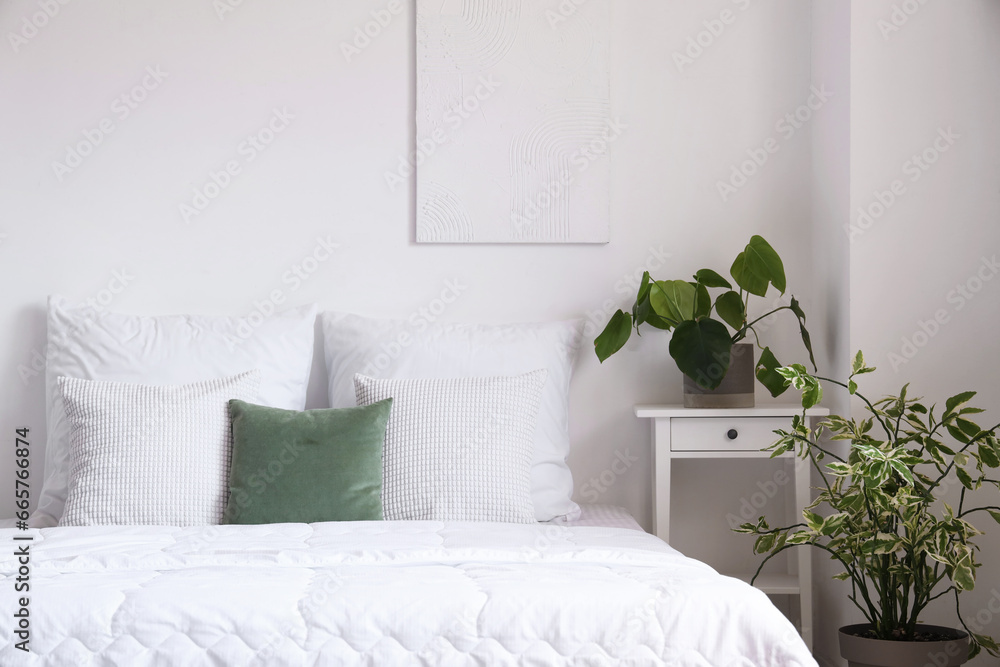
458 449
148 455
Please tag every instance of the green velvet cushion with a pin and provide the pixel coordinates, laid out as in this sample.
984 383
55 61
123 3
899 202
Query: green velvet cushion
304 467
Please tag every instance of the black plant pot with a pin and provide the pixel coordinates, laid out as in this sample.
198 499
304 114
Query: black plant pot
736 390
864 652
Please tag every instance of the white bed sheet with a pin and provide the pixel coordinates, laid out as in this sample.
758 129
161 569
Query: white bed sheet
602 516
384 593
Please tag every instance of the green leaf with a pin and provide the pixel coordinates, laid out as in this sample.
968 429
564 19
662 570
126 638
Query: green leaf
710 278
702 351
964 478
986 642
614 336
812 395
839 469
641 310
673 299
858 363
884 543
813 520
806 338
757 266
957 433
957 400
799 537
798 376
964 578
988 456
764 543
767 373
730 308
970 429
644 287
833 524
995 515
852 387
903 471
702 302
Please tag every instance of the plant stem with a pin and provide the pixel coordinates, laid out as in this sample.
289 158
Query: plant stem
951 465
743 332
978 509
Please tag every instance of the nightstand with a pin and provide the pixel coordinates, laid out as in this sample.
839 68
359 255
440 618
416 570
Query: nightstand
738 433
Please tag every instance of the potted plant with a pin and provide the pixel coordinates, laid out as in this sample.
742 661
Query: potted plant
718 367
879 513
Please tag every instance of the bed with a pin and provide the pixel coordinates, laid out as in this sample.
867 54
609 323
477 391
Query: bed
192 513
388 593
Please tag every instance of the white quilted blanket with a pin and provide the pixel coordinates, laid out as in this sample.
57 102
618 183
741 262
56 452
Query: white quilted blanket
383 593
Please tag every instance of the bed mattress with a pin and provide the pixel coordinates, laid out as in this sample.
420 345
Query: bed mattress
384 593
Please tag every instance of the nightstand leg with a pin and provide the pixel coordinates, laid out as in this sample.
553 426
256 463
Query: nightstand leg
661 471
803 496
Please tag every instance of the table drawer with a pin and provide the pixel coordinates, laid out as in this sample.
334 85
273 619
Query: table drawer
710 434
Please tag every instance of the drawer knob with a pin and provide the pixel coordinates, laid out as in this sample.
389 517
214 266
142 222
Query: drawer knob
733 434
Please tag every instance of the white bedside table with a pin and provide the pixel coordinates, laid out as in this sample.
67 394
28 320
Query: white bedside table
738 433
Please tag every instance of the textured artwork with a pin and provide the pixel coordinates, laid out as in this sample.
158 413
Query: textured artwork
513 121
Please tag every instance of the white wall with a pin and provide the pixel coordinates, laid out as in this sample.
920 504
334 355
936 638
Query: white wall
831 199
939 70
324 175
686 127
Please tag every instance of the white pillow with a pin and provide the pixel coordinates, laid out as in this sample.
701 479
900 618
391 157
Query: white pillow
398 349
175 349
150 456
457 449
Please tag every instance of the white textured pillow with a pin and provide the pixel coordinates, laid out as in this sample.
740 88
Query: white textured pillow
400 349
150 456
175 349
457 449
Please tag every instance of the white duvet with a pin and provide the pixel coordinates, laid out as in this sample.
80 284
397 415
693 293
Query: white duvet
382 593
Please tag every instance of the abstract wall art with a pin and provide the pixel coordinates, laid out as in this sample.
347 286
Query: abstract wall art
514 121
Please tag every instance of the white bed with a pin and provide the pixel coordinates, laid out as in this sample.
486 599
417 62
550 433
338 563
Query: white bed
483 559
387 593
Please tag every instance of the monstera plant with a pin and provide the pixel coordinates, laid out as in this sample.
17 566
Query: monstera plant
705 329
880 512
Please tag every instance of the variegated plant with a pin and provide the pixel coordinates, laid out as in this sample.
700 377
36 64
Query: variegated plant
879 511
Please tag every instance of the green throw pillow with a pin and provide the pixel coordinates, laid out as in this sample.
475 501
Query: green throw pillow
304 467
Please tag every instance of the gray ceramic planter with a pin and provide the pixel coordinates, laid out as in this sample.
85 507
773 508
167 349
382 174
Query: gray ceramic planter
862 652
736 390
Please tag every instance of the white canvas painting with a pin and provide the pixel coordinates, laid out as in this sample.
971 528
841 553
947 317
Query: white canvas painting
514 124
